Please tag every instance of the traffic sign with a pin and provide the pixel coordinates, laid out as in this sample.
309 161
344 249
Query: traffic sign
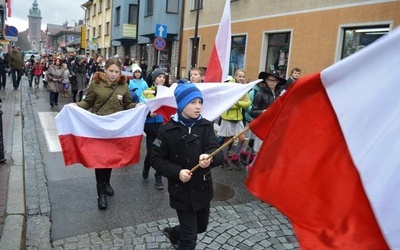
160 43
161 30
11 31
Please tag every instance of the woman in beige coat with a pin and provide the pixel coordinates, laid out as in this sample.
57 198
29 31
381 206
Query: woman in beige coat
55 75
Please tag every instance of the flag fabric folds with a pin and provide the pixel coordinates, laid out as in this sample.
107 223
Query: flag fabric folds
218 64
329 157
110 141
217 98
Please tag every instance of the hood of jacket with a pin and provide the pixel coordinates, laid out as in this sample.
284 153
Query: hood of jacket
101 76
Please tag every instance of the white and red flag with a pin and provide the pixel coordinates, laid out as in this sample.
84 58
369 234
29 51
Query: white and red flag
110 141
217 98
218 65
330 154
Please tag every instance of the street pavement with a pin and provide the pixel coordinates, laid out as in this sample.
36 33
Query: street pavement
60 205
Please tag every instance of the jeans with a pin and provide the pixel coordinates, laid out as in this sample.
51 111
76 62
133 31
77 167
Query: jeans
53 98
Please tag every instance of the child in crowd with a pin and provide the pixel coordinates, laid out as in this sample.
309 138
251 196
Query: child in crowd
65 81
185 141
247 155
294 76
232 123
37 71
196 75
138 84
263 99
152 125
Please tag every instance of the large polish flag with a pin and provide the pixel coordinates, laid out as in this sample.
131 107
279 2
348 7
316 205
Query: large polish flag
110 141
217 98
330 158
218 65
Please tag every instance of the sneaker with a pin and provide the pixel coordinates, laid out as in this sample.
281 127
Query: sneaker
225 164
168 233
235 161
243 157
159 184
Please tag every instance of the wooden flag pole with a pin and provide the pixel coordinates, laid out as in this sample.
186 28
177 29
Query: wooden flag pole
222 147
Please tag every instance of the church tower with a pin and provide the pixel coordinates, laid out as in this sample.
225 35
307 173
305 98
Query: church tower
35 22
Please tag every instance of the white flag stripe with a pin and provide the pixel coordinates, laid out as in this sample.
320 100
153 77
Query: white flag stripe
223 40
50 131
217 97
364 91
79 122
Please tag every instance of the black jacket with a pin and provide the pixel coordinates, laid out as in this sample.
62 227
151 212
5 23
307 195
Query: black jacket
175 149
263 99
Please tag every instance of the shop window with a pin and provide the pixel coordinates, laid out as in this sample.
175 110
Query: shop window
238 47
356 38
278 53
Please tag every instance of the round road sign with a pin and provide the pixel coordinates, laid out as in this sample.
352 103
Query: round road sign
160 43
11 31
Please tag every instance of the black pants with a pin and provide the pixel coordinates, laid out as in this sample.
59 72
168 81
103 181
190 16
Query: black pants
3 79
54 98
79 93
151 130
190 224
103 175
16 77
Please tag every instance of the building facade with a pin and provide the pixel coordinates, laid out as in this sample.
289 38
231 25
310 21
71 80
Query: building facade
98 14
279 35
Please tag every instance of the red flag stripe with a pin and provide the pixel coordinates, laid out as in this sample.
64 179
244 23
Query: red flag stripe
314 182
100 153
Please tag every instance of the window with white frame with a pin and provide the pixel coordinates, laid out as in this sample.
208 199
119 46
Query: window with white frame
278 53
238 49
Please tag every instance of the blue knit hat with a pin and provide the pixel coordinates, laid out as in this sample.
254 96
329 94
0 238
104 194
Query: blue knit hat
185 93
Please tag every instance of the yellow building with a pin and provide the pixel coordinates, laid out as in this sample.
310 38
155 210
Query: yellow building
279 35
98 15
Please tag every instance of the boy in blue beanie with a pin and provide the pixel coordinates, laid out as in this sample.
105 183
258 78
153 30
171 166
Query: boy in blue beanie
182 143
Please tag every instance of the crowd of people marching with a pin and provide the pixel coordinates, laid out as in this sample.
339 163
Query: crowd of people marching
173 146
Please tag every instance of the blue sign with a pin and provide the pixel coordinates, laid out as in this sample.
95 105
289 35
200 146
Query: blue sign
161 30
11 31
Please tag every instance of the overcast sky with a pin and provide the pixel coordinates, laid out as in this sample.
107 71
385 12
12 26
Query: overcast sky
52 11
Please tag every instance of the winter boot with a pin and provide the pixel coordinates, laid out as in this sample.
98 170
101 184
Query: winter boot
109 189
101 196
159 184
